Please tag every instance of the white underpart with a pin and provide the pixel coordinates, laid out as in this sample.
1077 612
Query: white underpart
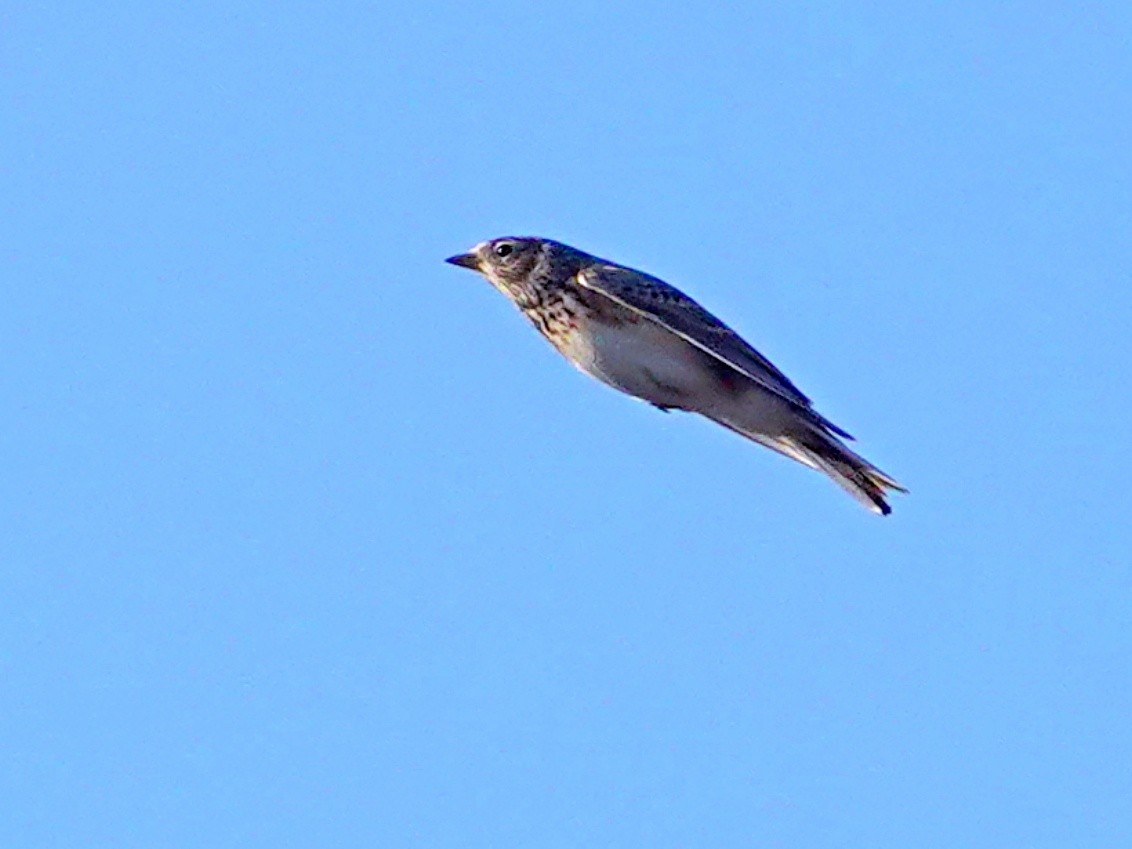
642 359
652 363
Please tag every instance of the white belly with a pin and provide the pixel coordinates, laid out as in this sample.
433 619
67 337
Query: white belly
643 360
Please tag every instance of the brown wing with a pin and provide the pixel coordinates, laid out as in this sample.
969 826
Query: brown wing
666 305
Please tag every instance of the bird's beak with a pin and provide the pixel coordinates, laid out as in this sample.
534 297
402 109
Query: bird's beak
465 261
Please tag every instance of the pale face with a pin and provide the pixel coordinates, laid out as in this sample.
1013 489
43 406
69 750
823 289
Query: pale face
506 261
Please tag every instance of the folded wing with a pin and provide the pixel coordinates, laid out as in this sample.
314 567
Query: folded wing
655 300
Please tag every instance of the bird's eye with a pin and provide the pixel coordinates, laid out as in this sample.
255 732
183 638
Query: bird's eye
504 250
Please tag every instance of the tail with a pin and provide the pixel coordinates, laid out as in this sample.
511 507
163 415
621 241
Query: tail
850 471
819 449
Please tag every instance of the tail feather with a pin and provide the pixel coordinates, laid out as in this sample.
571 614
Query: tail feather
853 473
815 445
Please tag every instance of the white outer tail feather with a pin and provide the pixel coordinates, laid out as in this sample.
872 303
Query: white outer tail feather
824 452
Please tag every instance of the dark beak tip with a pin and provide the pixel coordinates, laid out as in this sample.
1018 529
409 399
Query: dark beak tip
464 261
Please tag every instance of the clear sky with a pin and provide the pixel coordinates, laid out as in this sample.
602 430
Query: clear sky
309 540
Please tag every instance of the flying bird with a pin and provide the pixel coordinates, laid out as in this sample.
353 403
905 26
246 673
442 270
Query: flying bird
648 339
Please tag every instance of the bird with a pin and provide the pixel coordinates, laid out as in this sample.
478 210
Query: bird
646 338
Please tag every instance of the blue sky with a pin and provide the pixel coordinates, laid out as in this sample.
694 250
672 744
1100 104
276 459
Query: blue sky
309 540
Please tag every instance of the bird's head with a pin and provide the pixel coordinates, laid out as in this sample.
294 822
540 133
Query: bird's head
503 261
